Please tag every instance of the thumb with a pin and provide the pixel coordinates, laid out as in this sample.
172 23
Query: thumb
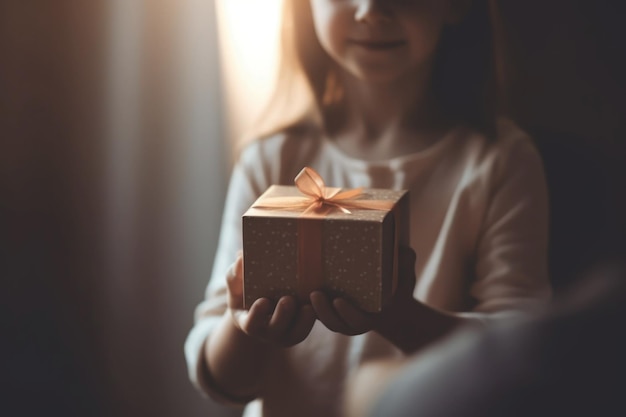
234 281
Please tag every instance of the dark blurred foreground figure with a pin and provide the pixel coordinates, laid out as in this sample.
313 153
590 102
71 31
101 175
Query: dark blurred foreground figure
568 361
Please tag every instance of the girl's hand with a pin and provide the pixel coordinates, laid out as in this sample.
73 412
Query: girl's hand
340 316
284 324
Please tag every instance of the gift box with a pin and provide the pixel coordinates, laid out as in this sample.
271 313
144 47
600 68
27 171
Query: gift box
297 239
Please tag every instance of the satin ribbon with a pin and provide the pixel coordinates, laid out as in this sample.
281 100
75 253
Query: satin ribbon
319 200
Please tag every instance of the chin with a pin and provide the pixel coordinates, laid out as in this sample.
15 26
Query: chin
379 75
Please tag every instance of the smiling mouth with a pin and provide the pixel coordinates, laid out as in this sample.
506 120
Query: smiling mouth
377 45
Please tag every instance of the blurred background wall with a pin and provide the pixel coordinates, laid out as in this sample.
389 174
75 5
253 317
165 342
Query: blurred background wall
114 161
117 119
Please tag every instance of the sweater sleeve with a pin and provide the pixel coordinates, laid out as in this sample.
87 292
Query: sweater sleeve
511 271
247 181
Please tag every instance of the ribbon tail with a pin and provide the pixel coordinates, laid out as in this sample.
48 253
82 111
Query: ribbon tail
367 204
349 194
338 206
285 203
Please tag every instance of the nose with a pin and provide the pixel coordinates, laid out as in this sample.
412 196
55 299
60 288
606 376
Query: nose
371 11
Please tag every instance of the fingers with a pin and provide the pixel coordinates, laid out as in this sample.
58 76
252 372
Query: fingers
327 314
302 326
406 270
282 318
255 321
284 325
357 320
407 252
406 258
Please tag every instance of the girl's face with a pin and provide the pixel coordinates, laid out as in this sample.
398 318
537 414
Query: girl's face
380 40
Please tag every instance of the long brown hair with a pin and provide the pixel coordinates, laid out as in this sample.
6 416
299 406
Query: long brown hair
469 79
470 71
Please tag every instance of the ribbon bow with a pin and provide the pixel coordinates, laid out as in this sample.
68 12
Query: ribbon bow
319 199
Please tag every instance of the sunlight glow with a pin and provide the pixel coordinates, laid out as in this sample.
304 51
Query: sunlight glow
248 31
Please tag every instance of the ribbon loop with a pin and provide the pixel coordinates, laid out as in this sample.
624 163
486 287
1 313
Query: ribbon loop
319 199
310 183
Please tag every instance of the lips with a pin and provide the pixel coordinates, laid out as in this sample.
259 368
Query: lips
376 45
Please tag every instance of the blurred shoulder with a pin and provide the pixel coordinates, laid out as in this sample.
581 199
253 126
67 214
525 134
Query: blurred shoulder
514 145
509 142
494 159
510 135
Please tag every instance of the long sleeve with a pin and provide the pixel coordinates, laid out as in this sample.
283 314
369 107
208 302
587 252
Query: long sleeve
511 253
480 226
246 183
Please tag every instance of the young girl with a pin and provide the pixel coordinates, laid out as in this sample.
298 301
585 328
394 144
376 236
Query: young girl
403 96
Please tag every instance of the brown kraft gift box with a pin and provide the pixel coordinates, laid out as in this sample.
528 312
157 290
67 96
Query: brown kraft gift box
293 251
